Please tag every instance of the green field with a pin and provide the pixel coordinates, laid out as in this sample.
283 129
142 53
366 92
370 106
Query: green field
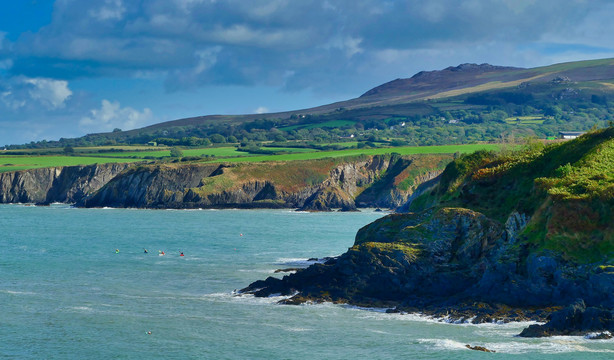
13 163
226 154
289 149
405 150
525 120
165 152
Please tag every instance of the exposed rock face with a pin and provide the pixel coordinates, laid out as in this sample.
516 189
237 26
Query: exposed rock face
443 258
60 184
576 319
153 187
319 185
499 237
311 186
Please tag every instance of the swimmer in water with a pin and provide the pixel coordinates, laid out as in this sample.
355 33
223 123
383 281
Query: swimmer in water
145 251
181 254
117 251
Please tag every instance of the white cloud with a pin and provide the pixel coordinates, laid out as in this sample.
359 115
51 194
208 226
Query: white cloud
111 115
261 110
21 92
49 92
206 58
11 101
111 10
349 45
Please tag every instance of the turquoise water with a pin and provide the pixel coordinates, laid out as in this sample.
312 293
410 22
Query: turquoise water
66 294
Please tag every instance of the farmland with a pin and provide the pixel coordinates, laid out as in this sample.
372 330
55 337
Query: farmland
10 162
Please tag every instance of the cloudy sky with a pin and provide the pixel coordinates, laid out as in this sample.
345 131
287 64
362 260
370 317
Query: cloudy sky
72 67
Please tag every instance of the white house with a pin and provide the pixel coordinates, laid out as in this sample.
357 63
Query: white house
570 134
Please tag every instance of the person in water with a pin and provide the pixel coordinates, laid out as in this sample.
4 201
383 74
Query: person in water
117 251
145 251
181 253
160 252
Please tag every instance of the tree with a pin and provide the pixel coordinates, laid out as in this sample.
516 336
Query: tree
69 150
217 139
175 152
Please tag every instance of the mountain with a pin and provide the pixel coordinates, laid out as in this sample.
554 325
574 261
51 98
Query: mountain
461 104
511 236
449 82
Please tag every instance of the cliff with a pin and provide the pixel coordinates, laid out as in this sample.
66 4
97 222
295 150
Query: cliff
58 184
315 185
500 236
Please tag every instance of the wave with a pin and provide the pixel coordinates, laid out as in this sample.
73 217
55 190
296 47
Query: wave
81 308
554 345
248 299
374 309
261 271
300 261
14 292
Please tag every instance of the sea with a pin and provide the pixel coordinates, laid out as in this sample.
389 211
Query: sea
77 284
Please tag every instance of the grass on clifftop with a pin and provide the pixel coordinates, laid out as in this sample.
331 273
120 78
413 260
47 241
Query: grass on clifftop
567 188
11 162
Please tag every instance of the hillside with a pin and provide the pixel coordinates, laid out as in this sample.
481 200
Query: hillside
510 236
461 104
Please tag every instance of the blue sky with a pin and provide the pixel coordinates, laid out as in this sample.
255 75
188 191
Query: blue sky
68 67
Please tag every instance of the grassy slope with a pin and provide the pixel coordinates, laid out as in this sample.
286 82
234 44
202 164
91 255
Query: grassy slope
568 188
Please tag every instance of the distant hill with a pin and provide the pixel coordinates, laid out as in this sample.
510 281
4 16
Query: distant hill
451 81
469 93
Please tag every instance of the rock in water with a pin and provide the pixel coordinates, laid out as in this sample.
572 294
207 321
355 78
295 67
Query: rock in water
576 319
479 348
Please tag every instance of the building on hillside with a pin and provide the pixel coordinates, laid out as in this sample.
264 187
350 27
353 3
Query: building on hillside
570 134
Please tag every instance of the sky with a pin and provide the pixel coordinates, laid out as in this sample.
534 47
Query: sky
72 67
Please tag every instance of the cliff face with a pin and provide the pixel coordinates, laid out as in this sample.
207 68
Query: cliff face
530 230
60 184
444 257
317 185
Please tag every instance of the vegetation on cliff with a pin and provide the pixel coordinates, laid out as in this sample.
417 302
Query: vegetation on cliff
530 231
567 188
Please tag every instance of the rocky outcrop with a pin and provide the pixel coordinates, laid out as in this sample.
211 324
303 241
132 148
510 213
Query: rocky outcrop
59 184
439 260
319 185
499 237
576 319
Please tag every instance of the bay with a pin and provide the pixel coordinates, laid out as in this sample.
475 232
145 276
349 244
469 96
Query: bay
76 284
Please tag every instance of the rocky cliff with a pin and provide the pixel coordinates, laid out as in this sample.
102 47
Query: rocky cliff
317 185
58 184
500 236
